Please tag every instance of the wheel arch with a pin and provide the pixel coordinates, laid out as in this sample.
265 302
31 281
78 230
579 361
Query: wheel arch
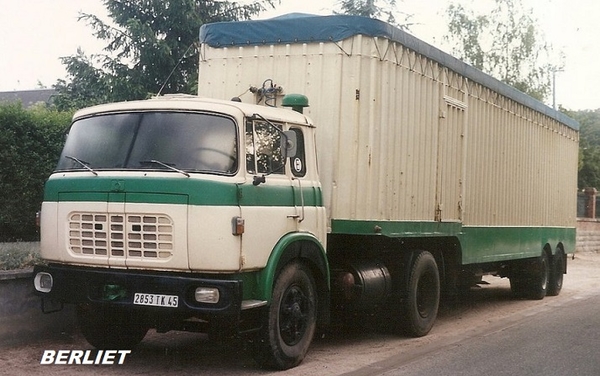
447 252
305 247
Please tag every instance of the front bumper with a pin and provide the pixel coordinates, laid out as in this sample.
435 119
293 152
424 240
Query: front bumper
81 285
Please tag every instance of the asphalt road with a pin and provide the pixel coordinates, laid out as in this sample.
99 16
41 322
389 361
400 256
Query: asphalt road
485 332
564 340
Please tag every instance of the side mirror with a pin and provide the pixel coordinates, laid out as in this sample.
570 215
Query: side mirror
289 144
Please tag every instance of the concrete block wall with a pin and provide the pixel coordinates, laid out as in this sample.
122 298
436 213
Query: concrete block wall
588 235
21 317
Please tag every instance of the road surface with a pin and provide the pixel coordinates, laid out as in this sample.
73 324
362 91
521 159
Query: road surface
561 341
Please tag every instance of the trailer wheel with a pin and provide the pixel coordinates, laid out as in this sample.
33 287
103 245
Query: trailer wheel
557 270
534 283
289 327
518 287
422 302
106 328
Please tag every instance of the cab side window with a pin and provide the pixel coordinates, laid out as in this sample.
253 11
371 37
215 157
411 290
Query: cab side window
298 162
263 150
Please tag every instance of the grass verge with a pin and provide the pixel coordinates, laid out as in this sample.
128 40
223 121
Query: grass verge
19 255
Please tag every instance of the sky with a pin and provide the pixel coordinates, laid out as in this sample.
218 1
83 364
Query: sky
34 34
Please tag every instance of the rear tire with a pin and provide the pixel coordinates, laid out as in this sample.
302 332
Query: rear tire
532 281
290 324
557 271
111 328
423 299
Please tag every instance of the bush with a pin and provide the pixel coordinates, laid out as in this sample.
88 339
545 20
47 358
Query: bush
30 144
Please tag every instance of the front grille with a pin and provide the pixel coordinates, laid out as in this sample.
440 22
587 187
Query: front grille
141 236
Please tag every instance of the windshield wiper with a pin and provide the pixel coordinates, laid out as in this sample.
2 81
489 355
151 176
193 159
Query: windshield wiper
165 166
82 163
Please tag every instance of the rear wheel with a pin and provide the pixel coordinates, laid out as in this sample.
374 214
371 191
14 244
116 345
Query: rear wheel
110 328
422 302
532 281
289 327
557 270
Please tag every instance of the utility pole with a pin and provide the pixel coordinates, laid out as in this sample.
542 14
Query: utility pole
554 86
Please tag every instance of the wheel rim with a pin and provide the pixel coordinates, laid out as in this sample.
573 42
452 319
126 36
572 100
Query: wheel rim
426 295
293 315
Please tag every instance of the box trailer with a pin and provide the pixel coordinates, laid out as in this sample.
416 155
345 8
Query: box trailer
409 175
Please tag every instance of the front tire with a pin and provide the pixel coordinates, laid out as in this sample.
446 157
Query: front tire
290 324
106 328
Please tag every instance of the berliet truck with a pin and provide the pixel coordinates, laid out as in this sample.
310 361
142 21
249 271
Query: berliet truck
331 168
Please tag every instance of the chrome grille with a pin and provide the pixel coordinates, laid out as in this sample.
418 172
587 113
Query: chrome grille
138 236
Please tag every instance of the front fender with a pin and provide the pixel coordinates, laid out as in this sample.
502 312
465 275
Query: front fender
293 246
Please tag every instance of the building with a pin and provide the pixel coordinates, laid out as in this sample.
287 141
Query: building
28 97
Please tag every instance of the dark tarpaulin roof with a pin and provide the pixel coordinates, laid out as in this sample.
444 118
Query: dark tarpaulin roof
306 28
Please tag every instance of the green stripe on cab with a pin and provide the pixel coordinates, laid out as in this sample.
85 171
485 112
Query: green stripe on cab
177 190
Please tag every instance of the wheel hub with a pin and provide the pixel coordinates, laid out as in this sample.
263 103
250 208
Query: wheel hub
293 320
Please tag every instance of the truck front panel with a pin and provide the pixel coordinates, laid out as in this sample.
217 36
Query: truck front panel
129 222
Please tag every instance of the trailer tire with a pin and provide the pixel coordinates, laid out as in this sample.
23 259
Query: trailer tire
557 270
290 322
110 328
518 287
423 295
534 284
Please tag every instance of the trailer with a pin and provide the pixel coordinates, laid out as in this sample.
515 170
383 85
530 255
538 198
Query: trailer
394 174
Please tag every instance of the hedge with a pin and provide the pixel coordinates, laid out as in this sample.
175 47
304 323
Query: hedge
30 144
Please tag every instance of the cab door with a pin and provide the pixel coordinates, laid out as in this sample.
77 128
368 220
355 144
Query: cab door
268 199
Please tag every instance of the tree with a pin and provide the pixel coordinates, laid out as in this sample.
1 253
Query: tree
374 9
589 147
504 43
150 43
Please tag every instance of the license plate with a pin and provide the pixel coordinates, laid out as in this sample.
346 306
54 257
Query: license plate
156 300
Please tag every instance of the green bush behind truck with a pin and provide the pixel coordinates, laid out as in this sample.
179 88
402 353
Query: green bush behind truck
418 176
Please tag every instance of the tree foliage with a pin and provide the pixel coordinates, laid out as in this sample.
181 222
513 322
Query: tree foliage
504 43
380 9
149 43
30 144
589 148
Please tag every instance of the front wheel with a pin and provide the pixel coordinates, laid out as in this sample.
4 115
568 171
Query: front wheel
289 327
111 328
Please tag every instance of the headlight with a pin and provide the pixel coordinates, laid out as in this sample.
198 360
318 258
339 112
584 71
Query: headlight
43 282
207 295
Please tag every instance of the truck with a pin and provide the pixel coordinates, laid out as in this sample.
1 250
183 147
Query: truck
331 168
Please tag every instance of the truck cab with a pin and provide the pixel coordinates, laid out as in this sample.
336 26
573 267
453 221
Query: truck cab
175 213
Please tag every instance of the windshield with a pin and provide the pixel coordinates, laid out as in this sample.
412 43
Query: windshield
168 141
